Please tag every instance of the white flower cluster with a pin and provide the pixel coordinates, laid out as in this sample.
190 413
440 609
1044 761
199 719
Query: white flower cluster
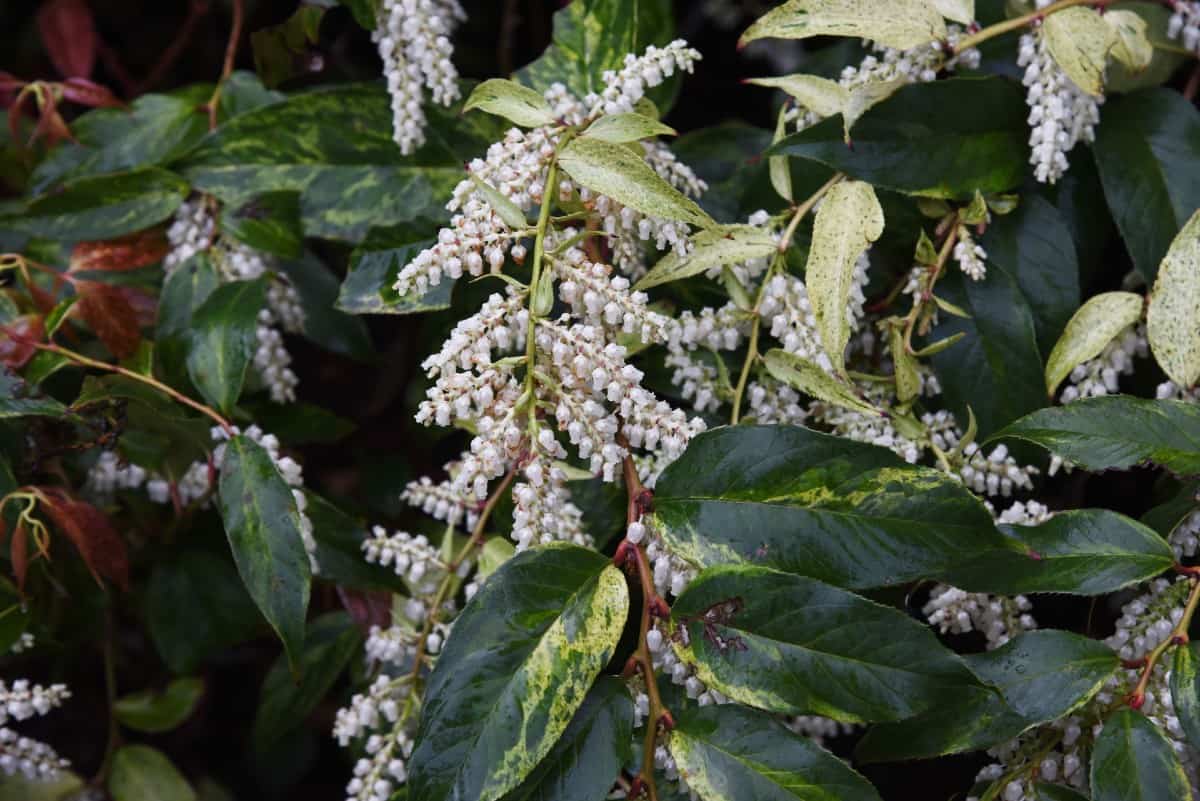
626 86
1101 375
108 475
1185 23
22 644
919 64
971 257
442 501
413 39
388 745
194 230
200 479
1185 539
1060 113
818 728
413 558
998 618
21 755
1169 390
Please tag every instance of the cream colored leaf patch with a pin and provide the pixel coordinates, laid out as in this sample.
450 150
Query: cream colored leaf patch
1079 40
713 248
809 378
902 24
1089 331
1173 315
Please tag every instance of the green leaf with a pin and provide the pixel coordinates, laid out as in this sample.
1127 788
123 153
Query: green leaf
326 325
509 212
339 539
1133 760
996 369
811 379
495 552
222 340
905 366
280 51
585 762
365 12
728 157
820 95
592 36
299 423
850 514
155 711
263 527
509 99
15 400
779 167
627 127
196 607
1081 552
794 645
1185 689
958 10
373 270
283 704
1033 244
1041 676
728 753
910 144
906 24
619 173
102 207
269 222
141 773
1131 45
1117 432
1079 41
514 671
184 289
716 247
1147 150
1173 305
1097 323
1056 792
334 147
848 221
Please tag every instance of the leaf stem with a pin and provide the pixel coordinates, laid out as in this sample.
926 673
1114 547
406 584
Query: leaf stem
174 394
992 31
1178 636
926 294
231 47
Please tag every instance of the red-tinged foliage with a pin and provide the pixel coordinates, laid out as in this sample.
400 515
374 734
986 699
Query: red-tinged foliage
117 255
19 554
69 34
17 343
87 93
367 608
107 310
90 531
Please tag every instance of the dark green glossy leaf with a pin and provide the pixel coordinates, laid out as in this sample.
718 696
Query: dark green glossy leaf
339 539
364 12
1185 689
102 207
373 270
1147 150
334 147
996 369
222 340
269 222
726 157
1167 516
284 701
195 607
1132 760
299 423
188 286
15 400
263 527
157 711
1117 432
1056 792
585 762
795 645
909 143
243 92
1083 552
141 773
851 514
1033 245
1040 676
325 324
281 51
14 614
729 753
515 669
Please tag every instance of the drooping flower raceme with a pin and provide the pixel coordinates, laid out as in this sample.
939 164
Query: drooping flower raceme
21 755
413 39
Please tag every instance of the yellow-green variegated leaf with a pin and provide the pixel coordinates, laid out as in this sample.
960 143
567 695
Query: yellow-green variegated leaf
629 127
777 166
616 171
865 97
848 221
1174 308
1132 760
1089 331
808 377
820 95
906 23
517 666
717 247
511 100
1131 45
731 753
957 10
1079 40
907 371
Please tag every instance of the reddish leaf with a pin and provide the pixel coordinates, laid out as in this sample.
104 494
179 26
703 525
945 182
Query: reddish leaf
69 34
17 340
51 125
86 93
144 305
116 255
110 315
367 608
91 532
19 554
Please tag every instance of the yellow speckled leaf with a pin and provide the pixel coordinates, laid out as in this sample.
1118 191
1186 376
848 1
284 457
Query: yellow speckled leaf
1089 331
1132 46
958 10
1173 317
1079 41
904 24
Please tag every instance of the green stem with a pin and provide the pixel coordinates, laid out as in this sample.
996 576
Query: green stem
549 190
